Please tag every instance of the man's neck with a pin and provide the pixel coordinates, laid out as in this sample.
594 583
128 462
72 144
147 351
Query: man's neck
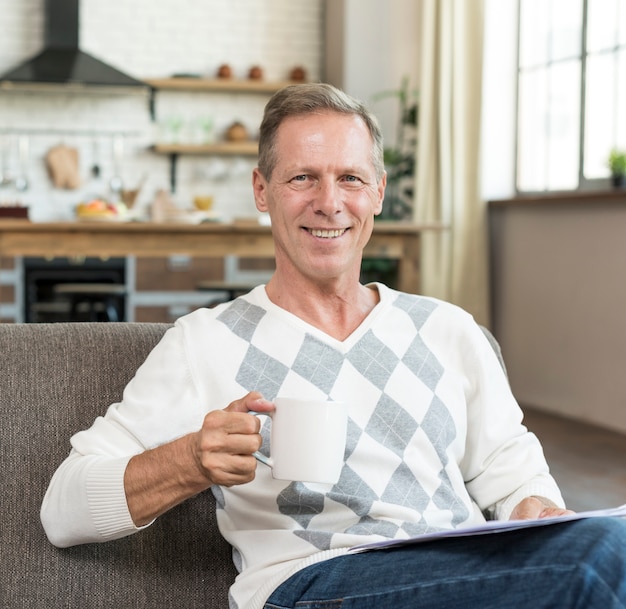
335 307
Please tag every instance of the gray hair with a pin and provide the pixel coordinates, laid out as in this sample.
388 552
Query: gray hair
312 98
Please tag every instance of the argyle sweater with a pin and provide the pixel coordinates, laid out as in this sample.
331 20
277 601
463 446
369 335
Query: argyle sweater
435 438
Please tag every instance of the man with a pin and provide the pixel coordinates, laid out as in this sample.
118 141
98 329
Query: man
435 437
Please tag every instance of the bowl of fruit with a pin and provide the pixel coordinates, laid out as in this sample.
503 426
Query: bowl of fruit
99 210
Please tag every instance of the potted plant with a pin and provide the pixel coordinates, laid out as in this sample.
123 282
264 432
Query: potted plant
617 166
400 159
400 166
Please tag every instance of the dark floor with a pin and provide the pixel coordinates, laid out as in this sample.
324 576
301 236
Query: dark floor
588 462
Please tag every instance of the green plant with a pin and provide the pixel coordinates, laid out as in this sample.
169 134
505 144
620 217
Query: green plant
617 162
400 167
400 159
384 270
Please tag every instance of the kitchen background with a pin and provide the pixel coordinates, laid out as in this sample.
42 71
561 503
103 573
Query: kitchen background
113 130
364 46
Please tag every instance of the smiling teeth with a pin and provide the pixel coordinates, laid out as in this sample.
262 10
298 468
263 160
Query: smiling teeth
328 234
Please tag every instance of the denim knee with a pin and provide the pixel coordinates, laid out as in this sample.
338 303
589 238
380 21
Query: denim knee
602 547
575 564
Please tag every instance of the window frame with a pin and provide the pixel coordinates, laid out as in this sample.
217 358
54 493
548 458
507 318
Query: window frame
584 184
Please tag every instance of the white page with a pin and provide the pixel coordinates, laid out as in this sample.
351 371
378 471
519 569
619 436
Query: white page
491 526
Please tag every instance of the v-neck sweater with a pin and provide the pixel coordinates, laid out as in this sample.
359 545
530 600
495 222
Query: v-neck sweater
435 436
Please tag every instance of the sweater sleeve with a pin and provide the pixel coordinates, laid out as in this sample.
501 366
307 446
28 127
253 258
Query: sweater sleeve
504 461
86 501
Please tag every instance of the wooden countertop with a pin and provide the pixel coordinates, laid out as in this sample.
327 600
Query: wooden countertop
20 225
394 240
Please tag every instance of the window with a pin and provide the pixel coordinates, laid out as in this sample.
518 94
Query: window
571 91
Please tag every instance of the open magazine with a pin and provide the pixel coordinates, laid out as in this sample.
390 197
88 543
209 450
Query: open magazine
491 526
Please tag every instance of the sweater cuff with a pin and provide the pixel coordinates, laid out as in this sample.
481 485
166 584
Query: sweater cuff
107 498
504 508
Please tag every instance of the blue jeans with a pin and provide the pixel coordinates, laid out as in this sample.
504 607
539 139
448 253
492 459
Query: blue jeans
580 564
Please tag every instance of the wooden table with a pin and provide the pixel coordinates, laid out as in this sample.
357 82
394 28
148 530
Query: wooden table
398 241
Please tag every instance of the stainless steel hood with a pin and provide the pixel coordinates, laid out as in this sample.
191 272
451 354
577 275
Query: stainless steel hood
61 61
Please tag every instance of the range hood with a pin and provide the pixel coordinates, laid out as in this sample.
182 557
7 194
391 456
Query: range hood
61 61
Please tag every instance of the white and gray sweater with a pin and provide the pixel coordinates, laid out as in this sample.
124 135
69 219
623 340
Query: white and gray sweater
435 438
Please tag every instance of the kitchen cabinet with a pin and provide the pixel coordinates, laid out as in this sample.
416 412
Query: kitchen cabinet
224 85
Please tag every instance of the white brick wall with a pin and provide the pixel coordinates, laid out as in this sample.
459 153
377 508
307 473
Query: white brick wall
151 38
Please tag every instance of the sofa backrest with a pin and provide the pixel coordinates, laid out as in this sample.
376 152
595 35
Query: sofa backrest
54 380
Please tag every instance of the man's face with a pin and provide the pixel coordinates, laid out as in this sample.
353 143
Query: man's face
322 196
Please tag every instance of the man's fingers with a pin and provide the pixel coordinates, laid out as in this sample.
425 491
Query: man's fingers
230 422
535 507
229 437
252 401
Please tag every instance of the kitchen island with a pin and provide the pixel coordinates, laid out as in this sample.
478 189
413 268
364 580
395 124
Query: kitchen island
390 240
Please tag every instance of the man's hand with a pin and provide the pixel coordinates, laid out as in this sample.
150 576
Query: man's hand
224 445
219 453
537 507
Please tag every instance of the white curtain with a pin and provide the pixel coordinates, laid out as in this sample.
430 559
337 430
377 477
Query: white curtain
454 260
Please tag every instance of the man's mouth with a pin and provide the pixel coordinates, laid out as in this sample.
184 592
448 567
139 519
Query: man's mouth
325 233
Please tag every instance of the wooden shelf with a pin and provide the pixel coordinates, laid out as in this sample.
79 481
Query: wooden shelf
220 148
209 85
223 85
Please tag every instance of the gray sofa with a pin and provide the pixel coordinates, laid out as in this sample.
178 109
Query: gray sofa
54 380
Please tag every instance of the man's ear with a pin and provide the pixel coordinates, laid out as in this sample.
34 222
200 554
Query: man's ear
381 194
259 188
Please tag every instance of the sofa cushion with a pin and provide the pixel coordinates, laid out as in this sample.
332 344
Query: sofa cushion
54 380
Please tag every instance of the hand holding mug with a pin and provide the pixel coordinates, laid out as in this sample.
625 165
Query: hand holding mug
227 440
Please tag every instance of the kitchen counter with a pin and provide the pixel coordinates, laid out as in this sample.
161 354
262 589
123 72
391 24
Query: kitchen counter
397 241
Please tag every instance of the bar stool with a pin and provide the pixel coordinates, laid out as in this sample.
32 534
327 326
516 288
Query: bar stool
101 301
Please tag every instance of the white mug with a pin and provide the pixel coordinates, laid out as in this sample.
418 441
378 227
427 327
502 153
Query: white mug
307 440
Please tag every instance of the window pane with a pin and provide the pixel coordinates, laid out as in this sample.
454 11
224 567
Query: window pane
532 131
550 78
600 114
621 38
620 113
602 24
534 19
564 126
567 27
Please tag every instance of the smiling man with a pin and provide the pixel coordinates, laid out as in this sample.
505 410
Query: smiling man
322 186
435 437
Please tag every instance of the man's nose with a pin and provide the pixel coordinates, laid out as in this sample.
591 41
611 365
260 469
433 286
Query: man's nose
328 198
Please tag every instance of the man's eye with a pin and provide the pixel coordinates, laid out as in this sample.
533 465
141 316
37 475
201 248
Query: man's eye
300 178
351 179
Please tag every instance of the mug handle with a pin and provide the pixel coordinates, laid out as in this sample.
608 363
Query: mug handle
261 458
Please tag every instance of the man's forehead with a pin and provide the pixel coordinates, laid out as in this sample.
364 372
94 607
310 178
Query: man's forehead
326 133
320 117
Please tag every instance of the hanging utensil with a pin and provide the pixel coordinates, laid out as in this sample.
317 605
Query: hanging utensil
130 196
5 175
116 183
95 152
63 166
21 181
